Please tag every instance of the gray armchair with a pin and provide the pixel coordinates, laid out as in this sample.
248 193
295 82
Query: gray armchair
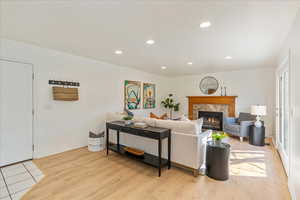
239 126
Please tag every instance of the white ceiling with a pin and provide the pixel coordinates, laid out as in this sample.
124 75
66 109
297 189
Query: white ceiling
251 32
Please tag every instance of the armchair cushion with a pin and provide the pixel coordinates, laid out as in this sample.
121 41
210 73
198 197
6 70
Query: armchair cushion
230 120
245 126
246 117
233 128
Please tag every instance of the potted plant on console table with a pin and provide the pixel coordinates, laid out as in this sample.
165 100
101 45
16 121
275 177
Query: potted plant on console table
128 120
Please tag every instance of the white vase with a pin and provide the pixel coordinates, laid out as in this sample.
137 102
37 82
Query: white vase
128 122
225 140
217 142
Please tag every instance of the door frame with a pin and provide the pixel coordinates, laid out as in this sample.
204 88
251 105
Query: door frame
284 65
33 101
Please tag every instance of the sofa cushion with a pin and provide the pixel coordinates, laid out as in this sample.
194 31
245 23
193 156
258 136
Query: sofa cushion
149 121
186 127
199 123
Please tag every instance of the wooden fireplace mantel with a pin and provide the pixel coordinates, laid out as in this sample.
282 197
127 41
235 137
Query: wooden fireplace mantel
227 100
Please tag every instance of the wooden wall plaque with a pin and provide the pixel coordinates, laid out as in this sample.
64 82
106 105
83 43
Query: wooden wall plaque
65 94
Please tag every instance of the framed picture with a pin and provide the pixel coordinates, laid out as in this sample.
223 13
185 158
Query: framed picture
132 95
149 95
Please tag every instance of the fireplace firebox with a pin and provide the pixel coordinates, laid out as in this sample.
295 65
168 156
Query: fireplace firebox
212 120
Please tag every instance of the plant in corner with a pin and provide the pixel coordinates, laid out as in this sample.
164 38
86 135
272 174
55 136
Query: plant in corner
169 103
217 137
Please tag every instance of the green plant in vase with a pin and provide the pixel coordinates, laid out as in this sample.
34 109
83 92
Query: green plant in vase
218 136
128 120
170 104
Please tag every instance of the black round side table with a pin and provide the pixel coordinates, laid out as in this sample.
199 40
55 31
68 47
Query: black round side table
217 161
257 135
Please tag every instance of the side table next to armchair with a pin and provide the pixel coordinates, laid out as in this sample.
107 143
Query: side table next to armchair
239 126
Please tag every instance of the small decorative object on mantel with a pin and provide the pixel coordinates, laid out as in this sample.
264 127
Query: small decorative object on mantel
65 94
225 91
221 90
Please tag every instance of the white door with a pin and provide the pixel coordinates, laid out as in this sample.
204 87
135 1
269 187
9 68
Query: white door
16 116
283 114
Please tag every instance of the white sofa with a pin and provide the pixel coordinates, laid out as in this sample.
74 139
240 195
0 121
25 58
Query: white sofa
188 144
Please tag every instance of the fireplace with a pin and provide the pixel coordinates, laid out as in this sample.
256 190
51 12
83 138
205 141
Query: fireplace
212 120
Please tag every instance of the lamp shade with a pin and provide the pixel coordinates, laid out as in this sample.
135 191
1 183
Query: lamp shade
258 110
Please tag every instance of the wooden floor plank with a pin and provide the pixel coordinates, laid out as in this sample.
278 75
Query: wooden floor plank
255 173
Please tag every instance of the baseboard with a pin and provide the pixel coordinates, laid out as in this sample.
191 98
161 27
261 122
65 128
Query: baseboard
292 190
290 184
58 152
272 141
194 171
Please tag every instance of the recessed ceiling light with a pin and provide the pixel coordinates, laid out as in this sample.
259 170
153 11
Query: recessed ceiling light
190 63
205 24
118 52
150 41
163 67
228 57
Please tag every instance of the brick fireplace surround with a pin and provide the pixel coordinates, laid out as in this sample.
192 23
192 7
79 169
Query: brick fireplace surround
225 104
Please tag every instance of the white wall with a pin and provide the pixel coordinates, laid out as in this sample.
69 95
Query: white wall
292 44
61 126
251 86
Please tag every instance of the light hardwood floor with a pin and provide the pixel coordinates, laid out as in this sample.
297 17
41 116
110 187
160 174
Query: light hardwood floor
255 174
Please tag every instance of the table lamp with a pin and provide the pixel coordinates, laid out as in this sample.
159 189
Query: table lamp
259 111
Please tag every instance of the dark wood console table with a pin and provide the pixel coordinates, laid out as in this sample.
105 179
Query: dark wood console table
149 132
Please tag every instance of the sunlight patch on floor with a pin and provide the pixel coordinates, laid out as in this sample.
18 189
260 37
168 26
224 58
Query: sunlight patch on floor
248 163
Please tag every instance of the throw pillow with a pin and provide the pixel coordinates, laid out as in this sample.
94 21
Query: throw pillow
200 123
164 116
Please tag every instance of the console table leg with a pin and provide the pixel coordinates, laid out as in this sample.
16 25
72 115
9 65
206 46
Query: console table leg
118 140
159 157
169 151
107 141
